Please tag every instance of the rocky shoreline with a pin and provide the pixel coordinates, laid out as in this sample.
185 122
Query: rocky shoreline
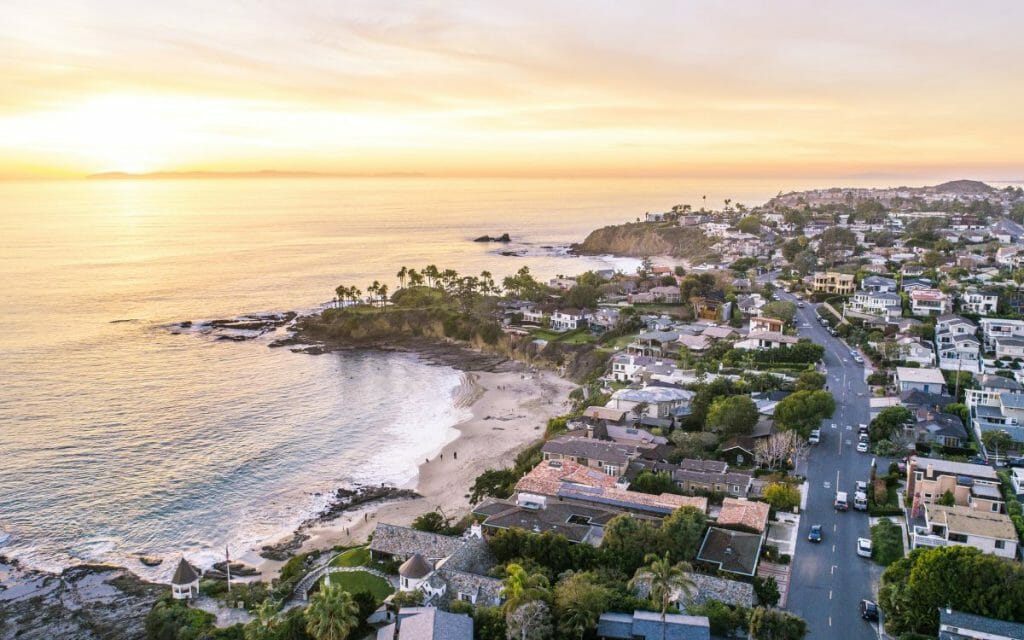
87 602
344 500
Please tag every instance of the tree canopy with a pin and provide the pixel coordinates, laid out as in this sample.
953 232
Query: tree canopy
964 578
810 381
803 411
732 416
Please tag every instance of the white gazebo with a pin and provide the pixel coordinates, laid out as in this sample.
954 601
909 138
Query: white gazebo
185 583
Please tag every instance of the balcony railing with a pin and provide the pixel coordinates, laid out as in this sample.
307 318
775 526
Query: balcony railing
923 538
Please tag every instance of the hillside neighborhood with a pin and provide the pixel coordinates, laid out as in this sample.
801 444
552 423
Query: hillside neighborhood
816 429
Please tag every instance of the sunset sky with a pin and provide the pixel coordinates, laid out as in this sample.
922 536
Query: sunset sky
724 89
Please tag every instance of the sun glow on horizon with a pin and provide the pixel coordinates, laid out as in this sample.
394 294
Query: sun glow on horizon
497 89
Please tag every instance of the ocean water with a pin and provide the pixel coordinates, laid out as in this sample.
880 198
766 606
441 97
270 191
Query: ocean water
119 438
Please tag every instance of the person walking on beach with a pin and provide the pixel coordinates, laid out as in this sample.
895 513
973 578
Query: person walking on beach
456 454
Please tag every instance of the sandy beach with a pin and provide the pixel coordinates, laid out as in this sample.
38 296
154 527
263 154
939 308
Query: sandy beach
509 411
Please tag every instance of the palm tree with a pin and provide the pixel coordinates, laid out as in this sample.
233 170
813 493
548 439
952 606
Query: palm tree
415 278
341 291
371 291
521 587
265 622
332 614
431 272
664 580
402 273
383 292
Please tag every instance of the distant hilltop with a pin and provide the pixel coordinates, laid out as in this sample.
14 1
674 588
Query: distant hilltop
963 189
266 173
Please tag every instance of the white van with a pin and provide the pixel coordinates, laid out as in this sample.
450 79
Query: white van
815 436
841 503
860 501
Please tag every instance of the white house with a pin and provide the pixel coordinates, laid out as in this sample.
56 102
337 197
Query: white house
569 319
928 302
533 315
962 352
884 303
878 284
929 379
765 340
994 328
980 302
1010 348
658 401
988 531
627 367
913 350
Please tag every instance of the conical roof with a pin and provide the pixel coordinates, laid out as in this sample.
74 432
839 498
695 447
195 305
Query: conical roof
184 574
415 567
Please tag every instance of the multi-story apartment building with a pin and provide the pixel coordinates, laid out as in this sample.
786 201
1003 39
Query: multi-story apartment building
833 282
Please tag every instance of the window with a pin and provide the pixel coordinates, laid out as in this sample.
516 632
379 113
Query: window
957 537
927 496
995 507
1000 544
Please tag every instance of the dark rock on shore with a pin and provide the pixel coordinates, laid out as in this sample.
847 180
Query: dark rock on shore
238 570
344 500
502 238
151 561
87 602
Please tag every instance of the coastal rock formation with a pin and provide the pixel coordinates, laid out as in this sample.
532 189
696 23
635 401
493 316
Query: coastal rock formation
86 602
638 239
502 238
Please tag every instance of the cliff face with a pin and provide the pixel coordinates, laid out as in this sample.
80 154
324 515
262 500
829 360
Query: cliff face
637 239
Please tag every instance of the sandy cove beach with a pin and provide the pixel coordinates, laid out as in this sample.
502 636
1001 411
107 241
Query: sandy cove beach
509 411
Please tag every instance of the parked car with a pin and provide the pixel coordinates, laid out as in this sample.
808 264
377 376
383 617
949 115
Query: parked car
864 547
860 501
1015 461
869 610
862 486
841 503
862 429
800 305
862 446
815 437
815 533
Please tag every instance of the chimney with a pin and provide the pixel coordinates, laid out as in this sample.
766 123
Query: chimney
476 530
930 472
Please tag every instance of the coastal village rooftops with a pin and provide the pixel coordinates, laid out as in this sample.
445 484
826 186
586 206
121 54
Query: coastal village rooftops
428 623
719 333
949 467
577 447
731 592
662 504
973 522
404 542
547 477
605 413
929 375
415 567
1012 400
184 574
772 336
631 435
658 336
577 522
697 464
917 398
752 515
647 625
653 394
733 551
956 625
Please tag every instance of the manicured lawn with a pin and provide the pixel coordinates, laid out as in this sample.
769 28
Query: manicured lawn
357 557
579 337
356 581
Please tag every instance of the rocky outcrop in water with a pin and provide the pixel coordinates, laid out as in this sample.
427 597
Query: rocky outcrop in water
502 238
86 602
640 239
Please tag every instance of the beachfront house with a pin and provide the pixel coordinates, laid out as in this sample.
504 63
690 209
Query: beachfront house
569 319
427 623
654 401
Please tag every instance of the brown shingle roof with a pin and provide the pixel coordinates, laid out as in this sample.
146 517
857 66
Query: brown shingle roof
184 574
415 567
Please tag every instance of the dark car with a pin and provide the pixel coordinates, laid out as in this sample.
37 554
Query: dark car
815 533
869 610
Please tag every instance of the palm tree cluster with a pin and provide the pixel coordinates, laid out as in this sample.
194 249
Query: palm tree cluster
447 280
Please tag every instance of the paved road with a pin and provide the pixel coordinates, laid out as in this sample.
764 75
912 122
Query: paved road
829 579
